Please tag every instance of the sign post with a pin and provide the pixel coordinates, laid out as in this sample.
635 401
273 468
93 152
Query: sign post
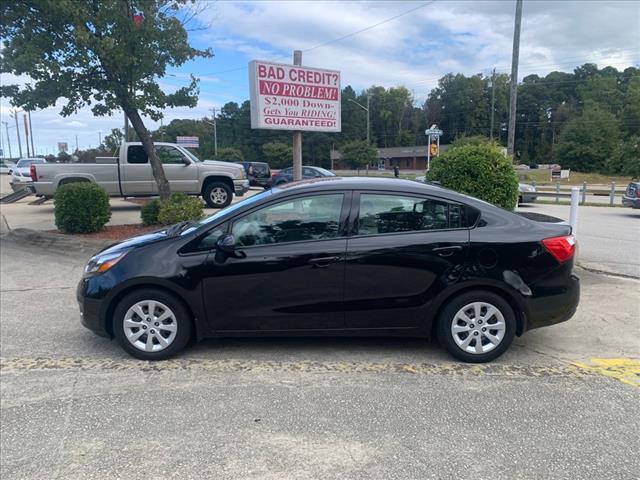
295 98
297 136
432 133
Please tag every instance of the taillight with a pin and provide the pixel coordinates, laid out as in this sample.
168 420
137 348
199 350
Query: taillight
562 248
637 192
33 173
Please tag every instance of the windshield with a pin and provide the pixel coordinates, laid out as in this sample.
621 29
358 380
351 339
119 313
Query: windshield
28 161
326 173
221 213
191 155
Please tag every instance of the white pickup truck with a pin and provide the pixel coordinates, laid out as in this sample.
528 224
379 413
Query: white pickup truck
129 174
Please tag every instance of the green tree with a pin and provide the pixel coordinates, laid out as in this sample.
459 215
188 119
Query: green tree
108 54
229 154
113 140
625 159
278 155
358 153
587 142
478 170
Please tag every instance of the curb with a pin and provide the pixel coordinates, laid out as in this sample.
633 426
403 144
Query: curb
56 242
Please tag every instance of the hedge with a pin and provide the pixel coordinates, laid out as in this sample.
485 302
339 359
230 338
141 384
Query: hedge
81 207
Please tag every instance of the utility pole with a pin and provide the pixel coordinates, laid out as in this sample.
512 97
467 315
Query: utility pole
76 143
33 150
14 114
297 136
26 133
513 97
367 110
99 138
493 100
6 126
215 134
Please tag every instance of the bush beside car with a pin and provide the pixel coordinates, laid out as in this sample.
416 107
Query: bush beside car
480 170
177 208
81 207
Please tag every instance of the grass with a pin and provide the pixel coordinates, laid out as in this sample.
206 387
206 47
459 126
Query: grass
543 177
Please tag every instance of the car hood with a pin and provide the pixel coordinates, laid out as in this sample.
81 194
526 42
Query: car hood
236 170
137 241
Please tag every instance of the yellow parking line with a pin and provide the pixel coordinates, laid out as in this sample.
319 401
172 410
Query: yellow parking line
626 370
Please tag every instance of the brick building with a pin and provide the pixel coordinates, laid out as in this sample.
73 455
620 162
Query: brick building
407 158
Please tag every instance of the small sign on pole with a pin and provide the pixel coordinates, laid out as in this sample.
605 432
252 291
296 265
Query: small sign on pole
188 142
432 133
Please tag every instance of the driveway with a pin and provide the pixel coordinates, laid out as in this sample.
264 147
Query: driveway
608 237
559 404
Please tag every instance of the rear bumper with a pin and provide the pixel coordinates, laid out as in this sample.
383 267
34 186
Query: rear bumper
260 182
241 187
630 202
553 308
528 197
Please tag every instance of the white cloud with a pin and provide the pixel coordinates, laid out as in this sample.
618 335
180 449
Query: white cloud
413 50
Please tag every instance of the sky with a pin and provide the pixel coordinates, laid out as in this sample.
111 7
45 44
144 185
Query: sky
388 43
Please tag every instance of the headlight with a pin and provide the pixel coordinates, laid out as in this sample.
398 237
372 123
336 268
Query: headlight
103 262
241 174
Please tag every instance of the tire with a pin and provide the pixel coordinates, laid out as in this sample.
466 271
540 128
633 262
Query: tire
177 331
217 195
462 345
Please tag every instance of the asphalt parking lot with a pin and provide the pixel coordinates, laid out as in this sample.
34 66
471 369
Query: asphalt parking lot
560 404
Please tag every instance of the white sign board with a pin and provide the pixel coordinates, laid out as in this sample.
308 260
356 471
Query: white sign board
63 147
289 97
188 142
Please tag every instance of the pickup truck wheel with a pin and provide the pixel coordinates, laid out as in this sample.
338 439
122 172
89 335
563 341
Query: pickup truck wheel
217 195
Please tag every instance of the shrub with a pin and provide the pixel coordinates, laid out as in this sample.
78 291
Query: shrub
180 207
150 211
81 207
478 170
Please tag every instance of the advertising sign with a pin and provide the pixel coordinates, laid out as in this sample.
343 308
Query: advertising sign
289 97
188 142
63 147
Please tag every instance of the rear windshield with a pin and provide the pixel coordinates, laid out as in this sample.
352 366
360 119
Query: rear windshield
28 162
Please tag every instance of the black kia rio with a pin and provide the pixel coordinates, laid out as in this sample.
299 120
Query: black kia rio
337 256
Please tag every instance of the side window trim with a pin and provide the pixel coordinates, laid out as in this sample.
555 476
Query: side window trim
342 222
355 210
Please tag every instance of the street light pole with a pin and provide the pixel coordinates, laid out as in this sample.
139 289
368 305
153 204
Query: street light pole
215 134
14 114
367 110
6 126
513 97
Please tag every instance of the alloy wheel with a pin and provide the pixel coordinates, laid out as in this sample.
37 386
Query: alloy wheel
478 328
218 195
150 326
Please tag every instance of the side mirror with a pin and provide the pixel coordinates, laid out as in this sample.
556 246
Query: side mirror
186 161
226 243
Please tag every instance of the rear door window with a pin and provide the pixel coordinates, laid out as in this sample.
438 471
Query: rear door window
382 214
136 154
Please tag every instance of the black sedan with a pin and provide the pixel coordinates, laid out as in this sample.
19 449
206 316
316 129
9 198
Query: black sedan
286 175
337 256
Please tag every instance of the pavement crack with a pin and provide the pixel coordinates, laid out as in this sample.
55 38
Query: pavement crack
34 289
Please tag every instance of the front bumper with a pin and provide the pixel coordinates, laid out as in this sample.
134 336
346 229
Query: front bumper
630 202
241 187
90 310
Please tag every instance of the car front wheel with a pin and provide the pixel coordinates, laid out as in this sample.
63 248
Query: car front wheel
217 195
151 324
477 326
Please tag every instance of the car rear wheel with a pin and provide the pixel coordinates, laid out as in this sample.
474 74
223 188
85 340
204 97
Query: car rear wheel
151 324
217 195
477 326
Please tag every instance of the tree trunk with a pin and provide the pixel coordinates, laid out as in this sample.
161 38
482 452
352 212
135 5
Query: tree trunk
156 166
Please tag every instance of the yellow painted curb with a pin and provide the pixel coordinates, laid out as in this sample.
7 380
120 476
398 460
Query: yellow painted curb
626 370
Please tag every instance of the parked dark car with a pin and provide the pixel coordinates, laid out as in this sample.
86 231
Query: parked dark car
286 175
631 196
337 256
258 173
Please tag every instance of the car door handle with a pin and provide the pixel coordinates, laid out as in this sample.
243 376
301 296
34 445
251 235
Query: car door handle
323 262
447 251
